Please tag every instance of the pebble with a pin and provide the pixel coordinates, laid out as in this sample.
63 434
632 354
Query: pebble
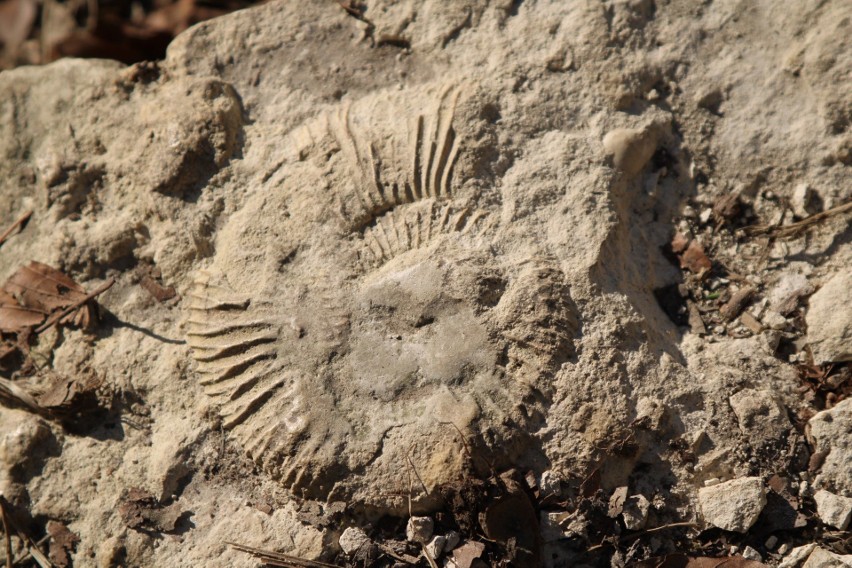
635 512
435 548
550 484
771 541
734 505
834 510
453 539
630 148
419 529
353 539
751 554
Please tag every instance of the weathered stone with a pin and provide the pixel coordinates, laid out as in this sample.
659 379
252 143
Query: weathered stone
419 529
635 512
733 505
833 510
353 539
831 431
829 319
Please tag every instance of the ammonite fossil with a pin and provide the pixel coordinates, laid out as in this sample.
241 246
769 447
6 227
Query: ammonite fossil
360 308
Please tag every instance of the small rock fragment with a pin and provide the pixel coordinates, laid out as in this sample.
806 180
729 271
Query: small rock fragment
833 510
751 554
630 148
797 556
829 320
635 512
453 539
419 529
469 555
435 548
804 201
352 540
822 558
737 303
771 542
733 505
550 484
616 501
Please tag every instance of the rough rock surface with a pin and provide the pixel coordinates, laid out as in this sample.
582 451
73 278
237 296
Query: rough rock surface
832 434
734 505
833 510
830 320
374 247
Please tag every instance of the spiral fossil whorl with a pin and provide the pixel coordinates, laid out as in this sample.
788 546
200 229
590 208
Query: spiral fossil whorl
338 349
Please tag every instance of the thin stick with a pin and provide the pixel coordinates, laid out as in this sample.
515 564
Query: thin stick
645 532
279 558
51 321
795 228
423 485
21 220
10 390
428 556
32 547
7 536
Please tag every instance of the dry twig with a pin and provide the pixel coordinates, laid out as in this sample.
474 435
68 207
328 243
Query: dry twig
279 558
20 222
794 229
51 321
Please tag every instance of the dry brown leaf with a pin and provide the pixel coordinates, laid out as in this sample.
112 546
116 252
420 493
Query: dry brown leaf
62 543
679 243
14 317
694 259
44 289
142 511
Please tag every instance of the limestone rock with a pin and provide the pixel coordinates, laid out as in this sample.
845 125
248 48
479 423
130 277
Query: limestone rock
734 505
831 431
420 529
630 148
635 512
353 539
833 510
829 320
822 558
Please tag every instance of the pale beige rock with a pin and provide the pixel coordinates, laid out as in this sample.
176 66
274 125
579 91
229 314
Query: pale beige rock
734 505
833 510
830 431
830 321
272 151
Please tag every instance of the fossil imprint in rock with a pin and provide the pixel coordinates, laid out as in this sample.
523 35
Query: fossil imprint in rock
358 306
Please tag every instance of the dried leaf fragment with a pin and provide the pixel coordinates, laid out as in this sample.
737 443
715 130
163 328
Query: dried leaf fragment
694 259
62 543
142 511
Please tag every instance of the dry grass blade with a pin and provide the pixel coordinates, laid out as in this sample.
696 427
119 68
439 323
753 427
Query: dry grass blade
795 229
279 558
32 547
19 223
10 391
